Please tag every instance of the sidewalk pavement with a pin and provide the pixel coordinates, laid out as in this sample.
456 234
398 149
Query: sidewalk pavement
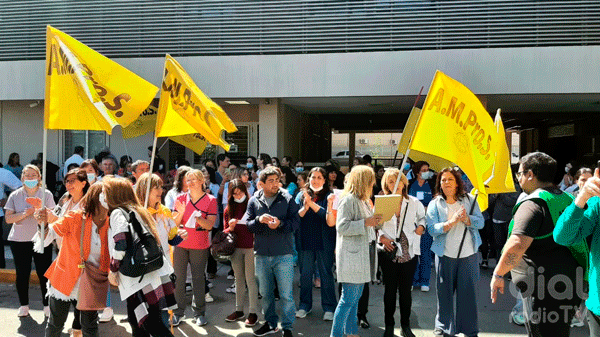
493 319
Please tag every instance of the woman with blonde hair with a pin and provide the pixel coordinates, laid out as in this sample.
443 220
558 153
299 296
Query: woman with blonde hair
399 243
20 213
355 219
197 211
89 222
146 296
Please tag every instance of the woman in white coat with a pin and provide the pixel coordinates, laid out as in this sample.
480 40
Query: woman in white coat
400 242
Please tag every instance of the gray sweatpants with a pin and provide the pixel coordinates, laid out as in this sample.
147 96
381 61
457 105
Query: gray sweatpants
457 277
197 259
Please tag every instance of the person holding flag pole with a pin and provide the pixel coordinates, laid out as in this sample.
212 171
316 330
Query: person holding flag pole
466 135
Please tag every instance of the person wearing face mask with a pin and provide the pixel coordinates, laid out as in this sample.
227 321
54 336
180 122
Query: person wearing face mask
567 179
317 244
19 212
92 170
242 260
64 274
422 188
299 167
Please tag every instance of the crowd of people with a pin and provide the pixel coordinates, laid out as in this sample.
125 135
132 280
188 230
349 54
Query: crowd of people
88 227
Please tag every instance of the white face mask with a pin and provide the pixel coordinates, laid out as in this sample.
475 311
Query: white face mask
241 200
91 177
567 169
427 175
102 199
316 189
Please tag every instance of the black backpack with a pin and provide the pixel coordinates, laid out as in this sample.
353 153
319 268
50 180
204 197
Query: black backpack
144 254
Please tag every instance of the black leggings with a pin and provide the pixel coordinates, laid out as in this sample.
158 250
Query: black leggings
23 254
398 281
153 324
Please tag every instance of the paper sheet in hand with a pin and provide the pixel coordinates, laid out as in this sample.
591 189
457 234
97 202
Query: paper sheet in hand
191 223
336 200
243 220
387 205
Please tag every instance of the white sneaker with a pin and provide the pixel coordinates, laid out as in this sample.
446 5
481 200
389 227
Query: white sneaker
424 289
47 311
208 298
210 285
106 315
231 289
328 316
23 311
230 277
302 313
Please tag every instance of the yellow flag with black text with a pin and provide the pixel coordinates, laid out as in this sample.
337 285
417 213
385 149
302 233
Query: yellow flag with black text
455 126
86 90
436 163
146 122
185 109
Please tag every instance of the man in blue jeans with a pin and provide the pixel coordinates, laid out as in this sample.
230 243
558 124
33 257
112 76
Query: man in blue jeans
273 218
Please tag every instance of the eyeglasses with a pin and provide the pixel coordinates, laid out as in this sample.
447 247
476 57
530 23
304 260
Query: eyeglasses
520 174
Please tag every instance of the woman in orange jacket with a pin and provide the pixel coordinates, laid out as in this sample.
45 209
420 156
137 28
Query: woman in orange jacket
65 273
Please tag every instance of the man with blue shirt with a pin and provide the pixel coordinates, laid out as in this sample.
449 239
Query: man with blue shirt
272 218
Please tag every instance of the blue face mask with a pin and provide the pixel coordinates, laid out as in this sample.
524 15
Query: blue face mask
249 166
427 175
91 177
31 183
299 169
406 167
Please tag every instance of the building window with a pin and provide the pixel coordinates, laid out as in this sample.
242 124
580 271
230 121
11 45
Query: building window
92 141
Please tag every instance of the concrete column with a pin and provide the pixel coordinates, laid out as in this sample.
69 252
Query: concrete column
268 121
351 147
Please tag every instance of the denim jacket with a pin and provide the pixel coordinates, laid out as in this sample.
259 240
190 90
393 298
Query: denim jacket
437 215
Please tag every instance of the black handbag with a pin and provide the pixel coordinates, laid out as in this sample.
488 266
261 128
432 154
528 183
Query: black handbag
143 255
223 245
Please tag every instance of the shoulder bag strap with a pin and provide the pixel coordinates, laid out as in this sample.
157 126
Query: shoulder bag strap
82 264
398 233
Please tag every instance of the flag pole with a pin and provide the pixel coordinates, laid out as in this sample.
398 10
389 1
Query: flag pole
151 168
410 142
465 232
44 154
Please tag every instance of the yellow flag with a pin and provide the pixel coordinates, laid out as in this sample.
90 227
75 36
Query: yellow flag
502 179
184 109
454 125
194 142
436 163
145 123
87 91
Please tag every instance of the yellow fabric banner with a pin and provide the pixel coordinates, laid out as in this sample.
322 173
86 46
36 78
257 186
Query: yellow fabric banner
194 142
502 179
145 123
435 163
87 91
455 126
184 109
